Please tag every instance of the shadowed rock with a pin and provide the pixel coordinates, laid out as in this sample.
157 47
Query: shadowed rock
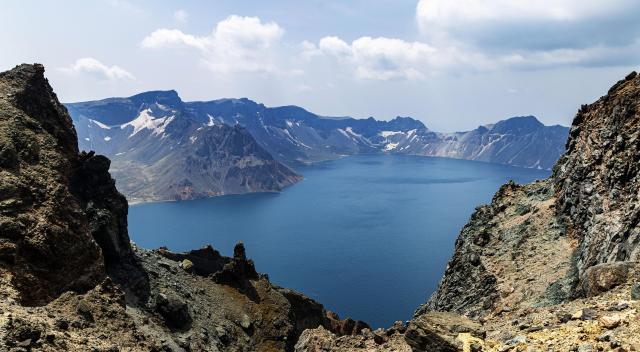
174 311
63 224
206 260
238 271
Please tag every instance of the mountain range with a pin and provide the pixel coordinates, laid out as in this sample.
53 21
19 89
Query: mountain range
163 148
161 152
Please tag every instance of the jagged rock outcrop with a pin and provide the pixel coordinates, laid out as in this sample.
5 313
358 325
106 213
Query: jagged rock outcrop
597 179
62 221
493 261
546 264
439 331
434 331
271 317
591 209
204 261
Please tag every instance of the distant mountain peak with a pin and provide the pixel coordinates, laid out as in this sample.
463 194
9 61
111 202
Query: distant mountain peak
524 119
518 125
167 98
235 101
156 94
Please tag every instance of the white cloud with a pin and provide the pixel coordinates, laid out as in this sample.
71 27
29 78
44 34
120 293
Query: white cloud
595 56
166 38
94 67
445 12
529 25
309 50
480 35
391 58
237 44
181 16
334 46
460 36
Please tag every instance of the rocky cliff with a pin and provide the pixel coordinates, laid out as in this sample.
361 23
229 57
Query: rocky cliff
597 179
556 241
551 265
63 223
72 281
586 212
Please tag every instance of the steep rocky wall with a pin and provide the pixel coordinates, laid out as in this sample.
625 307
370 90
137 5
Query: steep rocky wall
62 222
513 252
588 210
597 180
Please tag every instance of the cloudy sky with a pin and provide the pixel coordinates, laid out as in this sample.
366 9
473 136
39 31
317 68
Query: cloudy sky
452 64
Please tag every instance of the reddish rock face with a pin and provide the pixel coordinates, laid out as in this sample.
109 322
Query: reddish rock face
62 221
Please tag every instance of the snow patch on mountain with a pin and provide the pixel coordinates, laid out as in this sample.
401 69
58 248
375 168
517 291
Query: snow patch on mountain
211 121
100 124
390 146
146 121
386 134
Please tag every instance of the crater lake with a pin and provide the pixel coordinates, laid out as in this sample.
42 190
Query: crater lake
368 236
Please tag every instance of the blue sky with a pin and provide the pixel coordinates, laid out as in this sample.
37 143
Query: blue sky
452 64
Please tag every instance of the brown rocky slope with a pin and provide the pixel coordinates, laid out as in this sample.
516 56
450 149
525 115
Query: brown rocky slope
72 281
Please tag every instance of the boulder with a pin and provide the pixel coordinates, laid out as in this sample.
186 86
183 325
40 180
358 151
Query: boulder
584 314
21 333
204 261
346 326
238 271
610 321
174 311
187 265
635 292
438 331
603 277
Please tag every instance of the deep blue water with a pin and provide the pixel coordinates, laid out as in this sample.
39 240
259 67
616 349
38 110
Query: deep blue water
367 236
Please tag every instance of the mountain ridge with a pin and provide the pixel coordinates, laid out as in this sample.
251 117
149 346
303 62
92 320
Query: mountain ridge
289 134
295 135
158 152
